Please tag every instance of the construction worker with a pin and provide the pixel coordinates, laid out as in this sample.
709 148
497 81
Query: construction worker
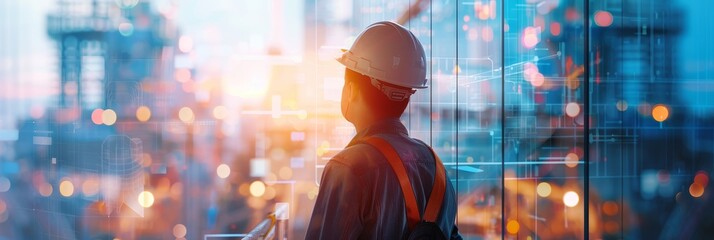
381 185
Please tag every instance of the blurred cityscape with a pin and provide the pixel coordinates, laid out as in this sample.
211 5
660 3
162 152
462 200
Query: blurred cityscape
178 119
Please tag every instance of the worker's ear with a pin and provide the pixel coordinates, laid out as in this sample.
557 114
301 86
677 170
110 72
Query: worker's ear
349 95
354 92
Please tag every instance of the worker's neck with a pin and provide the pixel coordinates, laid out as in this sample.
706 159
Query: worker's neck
366 122
361 124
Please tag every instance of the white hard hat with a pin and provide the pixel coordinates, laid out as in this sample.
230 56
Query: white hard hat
388 52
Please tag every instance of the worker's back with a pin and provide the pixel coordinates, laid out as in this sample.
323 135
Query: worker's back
360 196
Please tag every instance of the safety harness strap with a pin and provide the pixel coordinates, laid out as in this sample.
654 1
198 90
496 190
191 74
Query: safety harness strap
436 197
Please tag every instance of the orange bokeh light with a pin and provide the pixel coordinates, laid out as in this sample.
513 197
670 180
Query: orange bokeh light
513 226
610 208
143 113
660 113
696 190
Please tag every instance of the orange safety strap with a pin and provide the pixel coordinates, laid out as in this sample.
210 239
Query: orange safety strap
436 197
437 193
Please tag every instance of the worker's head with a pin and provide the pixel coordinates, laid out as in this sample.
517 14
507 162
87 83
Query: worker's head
362 99
385 63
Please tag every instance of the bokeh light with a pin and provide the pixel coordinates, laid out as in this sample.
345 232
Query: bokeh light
484 11
97 116
537 80
603 18
126 29
543 189
179 230
696 190
143 113
312 194
645 109
146 160
90 187
572 109
571 199
700 178
257 189
146 199
3 207
487 34
621 105
45 189
185 44
473 34
513 227
610 208
555 28
456 69
189 86
571 160
109 117
223 171
244 189
660 113
37 111
5 184
285 173
531 37
612 227
182 75
220 112
186 115
529 69
323 148
176 190
66 188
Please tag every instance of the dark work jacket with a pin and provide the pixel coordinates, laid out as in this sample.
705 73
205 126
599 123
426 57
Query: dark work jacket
360 196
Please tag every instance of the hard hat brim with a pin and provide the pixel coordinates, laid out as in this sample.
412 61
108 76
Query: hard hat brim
344 58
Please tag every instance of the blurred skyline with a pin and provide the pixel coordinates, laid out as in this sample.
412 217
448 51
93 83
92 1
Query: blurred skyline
29 74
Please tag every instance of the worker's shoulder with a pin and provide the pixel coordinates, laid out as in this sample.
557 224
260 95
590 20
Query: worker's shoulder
359 157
